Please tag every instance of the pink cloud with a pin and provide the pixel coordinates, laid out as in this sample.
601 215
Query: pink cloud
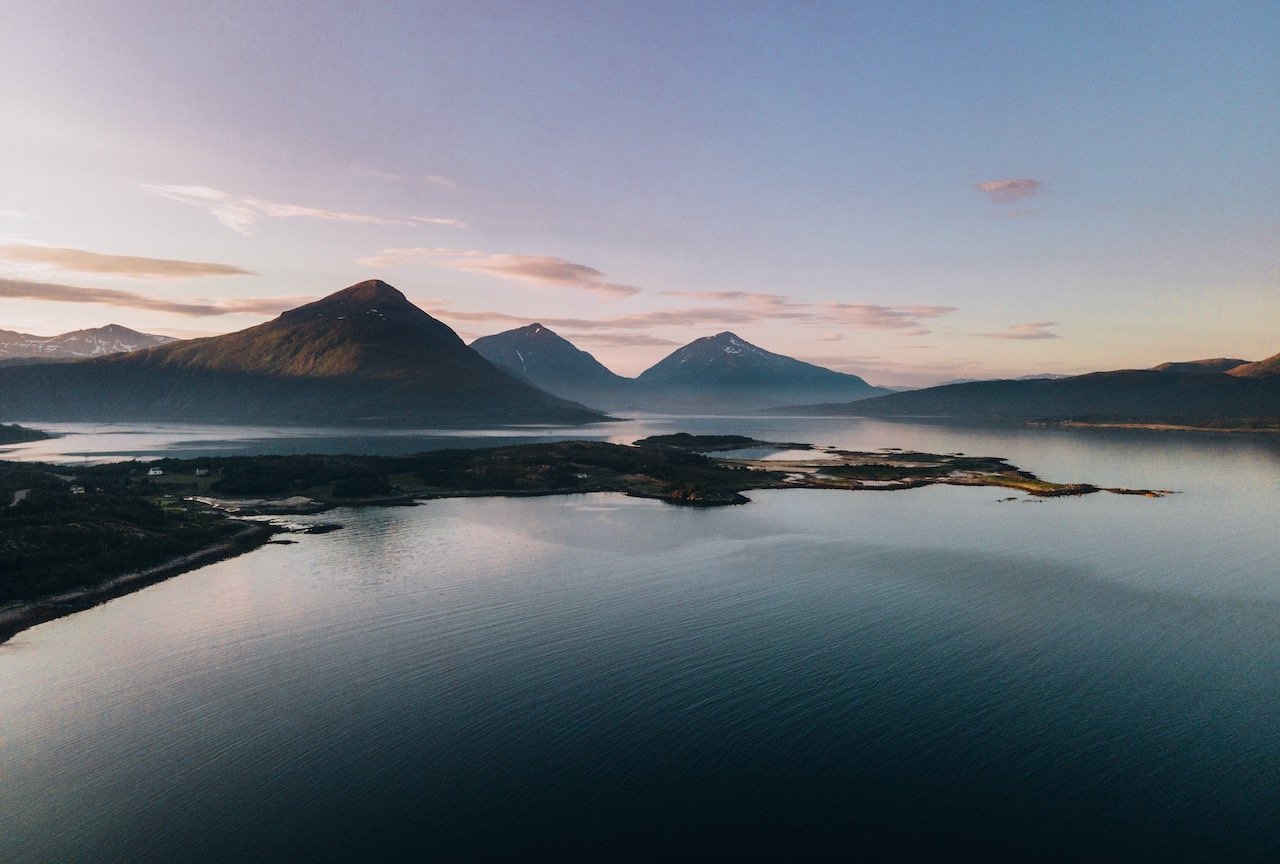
1028 330
872 316
1009 189
535 269
80 261
56 293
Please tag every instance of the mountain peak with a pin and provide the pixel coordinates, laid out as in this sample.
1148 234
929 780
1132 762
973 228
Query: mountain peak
373 297
712 366
369 291
362 355
547 359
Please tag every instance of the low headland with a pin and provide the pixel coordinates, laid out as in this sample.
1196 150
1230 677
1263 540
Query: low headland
12 433
71 538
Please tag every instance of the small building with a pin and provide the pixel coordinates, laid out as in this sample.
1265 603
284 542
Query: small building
155 472
202 472
77 490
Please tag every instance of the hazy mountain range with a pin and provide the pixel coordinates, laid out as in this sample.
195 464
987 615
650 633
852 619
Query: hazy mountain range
721 373
362 356
1217 392
367 356
76 345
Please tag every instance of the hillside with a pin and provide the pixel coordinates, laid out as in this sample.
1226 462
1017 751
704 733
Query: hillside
362 356
1134 396
1217 364
1260 369
552 363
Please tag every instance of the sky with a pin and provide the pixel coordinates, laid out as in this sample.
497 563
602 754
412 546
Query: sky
913 192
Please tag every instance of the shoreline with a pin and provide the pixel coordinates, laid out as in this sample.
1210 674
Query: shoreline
23 616
669 469
1160 427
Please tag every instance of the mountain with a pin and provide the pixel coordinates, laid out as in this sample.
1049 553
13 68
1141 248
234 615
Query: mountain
1217 364
362 356
1261 369
1132 396
726 372
553 363
78 344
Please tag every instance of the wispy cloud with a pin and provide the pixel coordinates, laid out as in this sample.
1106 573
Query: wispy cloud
57 293
620 340
241 212
864 316
902 320
829 337
536 269
906 320
775 305
436 180
1009 189
15 214
80 261
1028 330
636 321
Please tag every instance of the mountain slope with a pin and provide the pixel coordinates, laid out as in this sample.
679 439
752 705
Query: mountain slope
551 362
1260 369
78 344
727 372
1217 364
364 355
1145 395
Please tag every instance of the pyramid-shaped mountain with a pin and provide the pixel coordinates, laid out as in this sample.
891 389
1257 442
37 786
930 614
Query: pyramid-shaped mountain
552 363
726 372
364 355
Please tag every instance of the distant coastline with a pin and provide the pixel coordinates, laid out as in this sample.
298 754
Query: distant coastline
1157 427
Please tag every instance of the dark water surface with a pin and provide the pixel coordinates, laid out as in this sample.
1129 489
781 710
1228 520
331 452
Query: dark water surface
934 673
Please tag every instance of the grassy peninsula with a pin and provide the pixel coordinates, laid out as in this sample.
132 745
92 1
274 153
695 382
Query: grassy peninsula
72 537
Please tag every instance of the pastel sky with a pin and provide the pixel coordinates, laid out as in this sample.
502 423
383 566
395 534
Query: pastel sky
911 191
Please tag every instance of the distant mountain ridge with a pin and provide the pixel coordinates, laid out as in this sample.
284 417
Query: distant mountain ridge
1216 364
1261 369
1176 393
362 356
715 373
78 344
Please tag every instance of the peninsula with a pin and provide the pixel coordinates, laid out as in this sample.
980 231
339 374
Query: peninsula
74 537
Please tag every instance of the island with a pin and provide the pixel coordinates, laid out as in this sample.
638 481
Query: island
12 433
71 538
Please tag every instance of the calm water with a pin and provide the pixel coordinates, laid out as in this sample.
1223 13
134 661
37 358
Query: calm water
934 672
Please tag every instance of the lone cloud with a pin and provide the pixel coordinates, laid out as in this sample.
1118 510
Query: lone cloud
1009 189
1029 330
536 269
